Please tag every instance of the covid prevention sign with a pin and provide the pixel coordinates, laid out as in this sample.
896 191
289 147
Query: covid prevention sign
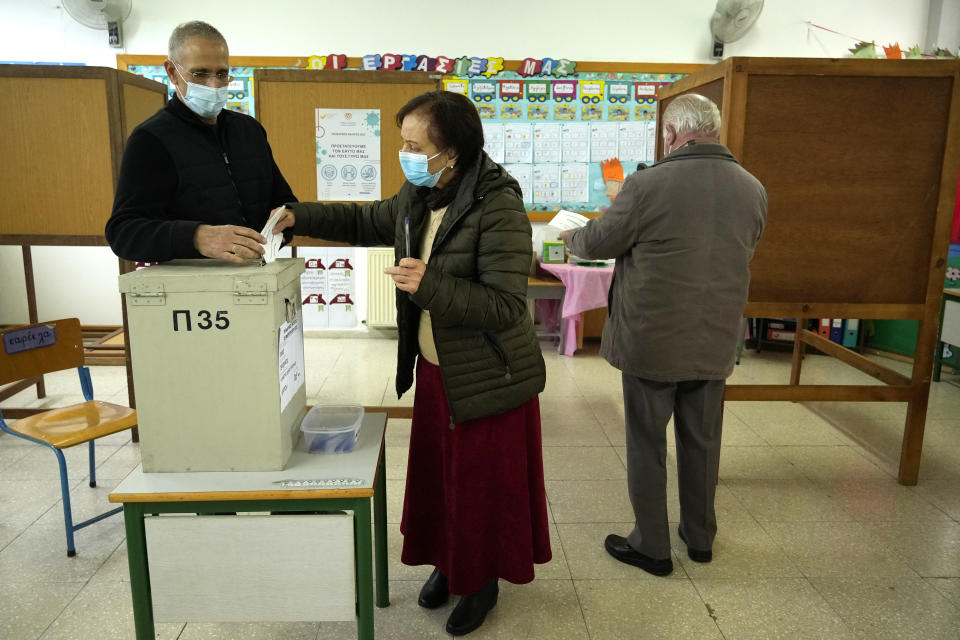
348 154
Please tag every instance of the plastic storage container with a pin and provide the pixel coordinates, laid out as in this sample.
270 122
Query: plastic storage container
332 429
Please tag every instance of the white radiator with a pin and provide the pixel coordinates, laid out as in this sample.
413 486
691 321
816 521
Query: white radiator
381 296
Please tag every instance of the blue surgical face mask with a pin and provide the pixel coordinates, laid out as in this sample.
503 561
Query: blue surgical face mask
206 102
416 167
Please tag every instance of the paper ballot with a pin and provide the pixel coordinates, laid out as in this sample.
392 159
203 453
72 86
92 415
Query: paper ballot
271 250
568 220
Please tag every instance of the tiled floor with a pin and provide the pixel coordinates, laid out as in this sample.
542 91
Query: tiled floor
816 540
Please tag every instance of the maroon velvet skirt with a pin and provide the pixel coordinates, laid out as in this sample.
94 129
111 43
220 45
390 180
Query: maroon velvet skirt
475 505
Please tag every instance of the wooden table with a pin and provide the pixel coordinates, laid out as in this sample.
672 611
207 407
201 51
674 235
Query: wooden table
310 482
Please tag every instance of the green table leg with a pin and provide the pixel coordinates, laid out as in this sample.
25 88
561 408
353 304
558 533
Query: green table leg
364 557
380 532
139 571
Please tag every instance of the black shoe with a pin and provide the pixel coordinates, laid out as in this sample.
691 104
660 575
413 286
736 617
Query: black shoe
435 591
619 548
697 555
472 609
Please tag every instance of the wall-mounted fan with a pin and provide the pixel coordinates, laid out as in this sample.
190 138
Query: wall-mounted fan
730 20
101 14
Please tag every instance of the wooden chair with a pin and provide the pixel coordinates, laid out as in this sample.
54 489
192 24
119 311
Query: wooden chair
44 348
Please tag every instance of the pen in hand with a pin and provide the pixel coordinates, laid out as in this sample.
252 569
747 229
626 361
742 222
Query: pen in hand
406 234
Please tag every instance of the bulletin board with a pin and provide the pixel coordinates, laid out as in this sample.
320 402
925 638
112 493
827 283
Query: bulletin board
553 134
859 159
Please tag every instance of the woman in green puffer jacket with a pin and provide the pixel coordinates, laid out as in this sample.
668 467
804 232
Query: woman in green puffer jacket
475 506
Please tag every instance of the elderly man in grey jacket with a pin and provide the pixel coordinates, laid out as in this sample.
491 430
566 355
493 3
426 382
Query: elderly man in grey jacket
683 232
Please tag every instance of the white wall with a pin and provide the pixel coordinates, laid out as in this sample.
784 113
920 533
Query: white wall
944 27
655 31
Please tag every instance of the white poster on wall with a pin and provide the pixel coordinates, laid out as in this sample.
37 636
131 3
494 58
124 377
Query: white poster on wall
341 288
348 154
313 288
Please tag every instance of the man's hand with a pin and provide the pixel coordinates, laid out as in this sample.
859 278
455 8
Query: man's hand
408 274
228 242
285 219
565 236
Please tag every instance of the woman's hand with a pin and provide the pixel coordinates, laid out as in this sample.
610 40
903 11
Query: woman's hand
408 274
285 219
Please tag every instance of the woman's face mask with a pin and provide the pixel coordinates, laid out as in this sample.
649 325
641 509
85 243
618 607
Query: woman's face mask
416 166
206 102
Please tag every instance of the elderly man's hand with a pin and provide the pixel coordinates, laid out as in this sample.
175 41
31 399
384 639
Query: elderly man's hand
228 242
408 274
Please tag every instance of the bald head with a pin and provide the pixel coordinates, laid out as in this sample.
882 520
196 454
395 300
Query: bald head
195 29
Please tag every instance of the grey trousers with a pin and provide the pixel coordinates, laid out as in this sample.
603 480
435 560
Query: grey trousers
697 408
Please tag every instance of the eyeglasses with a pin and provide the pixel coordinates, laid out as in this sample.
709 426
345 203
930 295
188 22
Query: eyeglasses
203 77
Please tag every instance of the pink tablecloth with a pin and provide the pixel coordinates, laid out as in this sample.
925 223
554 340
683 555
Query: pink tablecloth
586 288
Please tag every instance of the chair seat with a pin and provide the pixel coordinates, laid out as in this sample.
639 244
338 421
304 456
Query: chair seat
77 423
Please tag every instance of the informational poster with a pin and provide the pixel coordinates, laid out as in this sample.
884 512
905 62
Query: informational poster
522 173
328 287
348 154
292 375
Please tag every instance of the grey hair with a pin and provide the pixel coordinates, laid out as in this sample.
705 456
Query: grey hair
693 113
194 29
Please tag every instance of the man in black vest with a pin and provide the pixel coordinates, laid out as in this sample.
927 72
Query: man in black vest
196 179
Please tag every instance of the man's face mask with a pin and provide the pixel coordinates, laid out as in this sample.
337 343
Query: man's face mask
416 167
206 102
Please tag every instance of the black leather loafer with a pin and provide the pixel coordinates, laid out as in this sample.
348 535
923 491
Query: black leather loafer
472 609
435 591
619 548
697 555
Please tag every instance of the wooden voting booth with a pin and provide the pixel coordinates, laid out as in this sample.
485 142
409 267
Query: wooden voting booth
64 132
859 159
286 103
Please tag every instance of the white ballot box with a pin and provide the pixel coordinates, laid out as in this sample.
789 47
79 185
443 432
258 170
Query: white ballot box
217 357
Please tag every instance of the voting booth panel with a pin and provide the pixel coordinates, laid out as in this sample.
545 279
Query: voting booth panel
217 356
859 159
64 131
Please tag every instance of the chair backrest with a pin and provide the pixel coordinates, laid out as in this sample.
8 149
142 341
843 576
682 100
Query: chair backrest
35 349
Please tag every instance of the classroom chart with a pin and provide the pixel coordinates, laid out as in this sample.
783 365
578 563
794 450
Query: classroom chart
552 134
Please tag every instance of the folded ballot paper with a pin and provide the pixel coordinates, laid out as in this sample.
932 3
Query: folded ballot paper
565 220
271 250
